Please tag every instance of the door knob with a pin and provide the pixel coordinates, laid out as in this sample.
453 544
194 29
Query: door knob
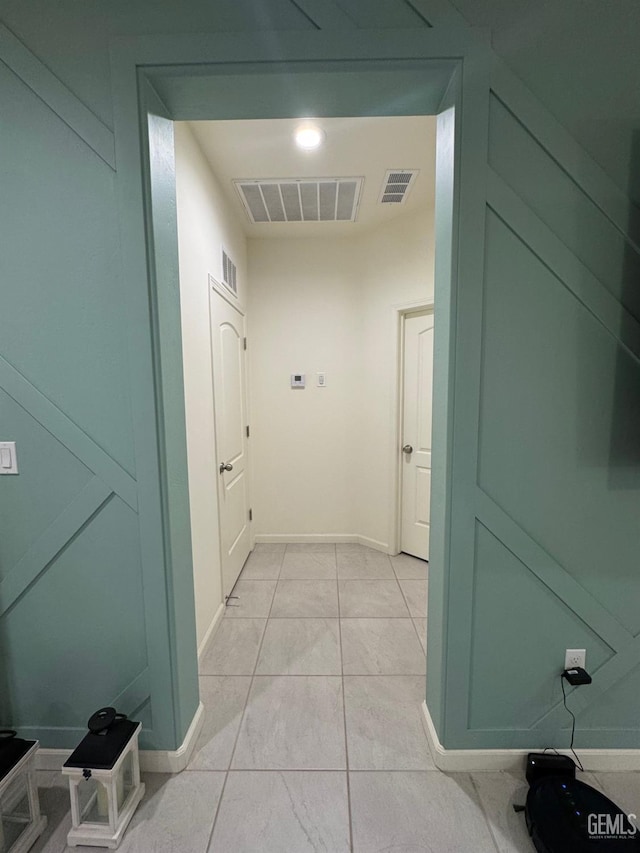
225 466
407 449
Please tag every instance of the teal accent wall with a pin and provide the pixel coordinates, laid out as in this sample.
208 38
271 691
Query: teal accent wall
536 542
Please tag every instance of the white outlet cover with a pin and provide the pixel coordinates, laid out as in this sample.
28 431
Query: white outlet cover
575 657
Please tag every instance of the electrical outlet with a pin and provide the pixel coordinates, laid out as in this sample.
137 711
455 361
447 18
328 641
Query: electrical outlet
575 657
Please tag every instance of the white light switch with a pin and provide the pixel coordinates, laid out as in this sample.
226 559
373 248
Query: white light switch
322 379
8 458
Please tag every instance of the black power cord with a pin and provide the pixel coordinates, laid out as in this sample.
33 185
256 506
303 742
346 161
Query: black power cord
573 723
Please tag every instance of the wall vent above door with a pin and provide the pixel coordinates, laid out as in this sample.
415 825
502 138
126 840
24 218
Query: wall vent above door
396 185
229 273
301 199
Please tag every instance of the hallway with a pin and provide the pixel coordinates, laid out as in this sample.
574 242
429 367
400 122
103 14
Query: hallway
312 739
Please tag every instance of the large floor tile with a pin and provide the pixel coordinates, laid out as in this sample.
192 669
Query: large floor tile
311 547
233 649
292 723
384 726
270 548
175 816
264 562
421 628
223 698
251 598
499 792
381 647
622 788
371 598
46 778
407 567
312 562
54 803
417 811
416 594
275 812
301 647
305 598
356 561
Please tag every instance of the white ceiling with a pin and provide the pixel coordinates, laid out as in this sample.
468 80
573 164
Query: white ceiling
354 147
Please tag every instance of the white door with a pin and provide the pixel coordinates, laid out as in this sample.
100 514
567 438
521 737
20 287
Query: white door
416 433
227 347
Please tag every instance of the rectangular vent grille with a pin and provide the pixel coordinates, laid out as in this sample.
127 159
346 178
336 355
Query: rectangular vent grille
301 200
229 273
396 185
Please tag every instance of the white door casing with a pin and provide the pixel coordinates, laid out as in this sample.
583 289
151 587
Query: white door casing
230 410
416 433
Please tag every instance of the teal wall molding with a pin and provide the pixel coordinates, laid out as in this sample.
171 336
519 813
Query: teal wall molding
536 479
56 96
325 14
51 418
47 546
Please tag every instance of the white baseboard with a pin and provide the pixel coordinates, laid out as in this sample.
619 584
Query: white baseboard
373 543
320 538
151 760
213 627
487 760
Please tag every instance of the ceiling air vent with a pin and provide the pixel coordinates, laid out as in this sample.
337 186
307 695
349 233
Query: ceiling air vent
396 185
229 273
301 199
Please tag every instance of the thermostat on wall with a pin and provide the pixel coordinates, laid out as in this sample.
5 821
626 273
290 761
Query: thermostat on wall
297 380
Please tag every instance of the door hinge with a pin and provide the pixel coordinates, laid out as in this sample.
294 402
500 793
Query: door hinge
248 432
250 515
244 343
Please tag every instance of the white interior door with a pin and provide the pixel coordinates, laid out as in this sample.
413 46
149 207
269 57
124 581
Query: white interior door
416 433
229 391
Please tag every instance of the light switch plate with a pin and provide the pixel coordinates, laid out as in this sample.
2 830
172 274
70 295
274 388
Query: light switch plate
8 458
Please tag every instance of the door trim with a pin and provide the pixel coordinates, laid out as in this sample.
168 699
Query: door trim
460 59
399 315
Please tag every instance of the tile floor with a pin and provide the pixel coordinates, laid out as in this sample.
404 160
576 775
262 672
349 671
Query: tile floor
312 739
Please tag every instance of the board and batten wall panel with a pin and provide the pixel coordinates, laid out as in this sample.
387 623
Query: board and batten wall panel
557 534
72 627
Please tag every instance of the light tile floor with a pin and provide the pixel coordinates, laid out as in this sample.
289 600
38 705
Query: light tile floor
312 739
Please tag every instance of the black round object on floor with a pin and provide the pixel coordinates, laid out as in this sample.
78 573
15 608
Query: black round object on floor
568 816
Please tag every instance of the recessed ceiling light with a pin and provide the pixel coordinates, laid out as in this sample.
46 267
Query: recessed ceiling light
309 137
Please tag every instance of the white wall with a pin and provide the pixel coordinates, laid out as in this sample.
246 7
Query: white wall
396 262
204 226
303 317
323 458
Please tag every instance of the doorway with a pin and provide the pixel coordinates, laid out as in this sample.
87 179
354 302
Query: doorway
378 81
